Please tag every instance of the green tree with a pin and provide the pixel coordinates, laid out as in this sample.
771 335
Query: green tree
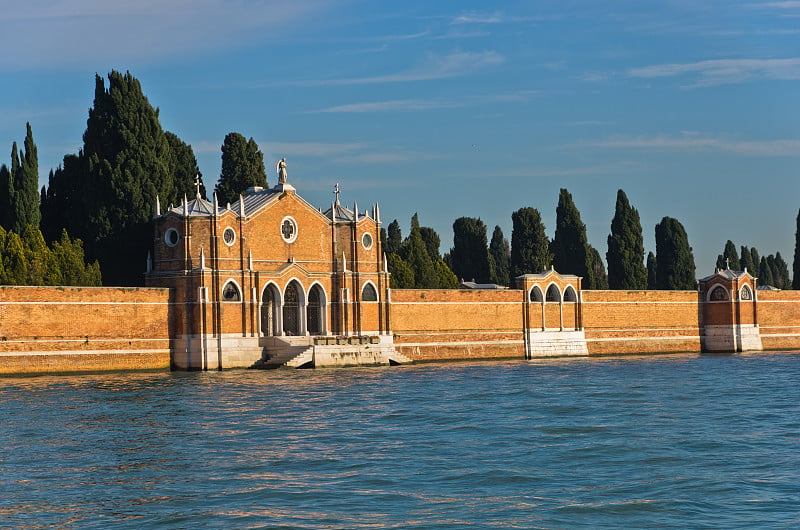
530 246
69 256
746 261
795 264
402 275
598 269
651 271
26 187
765 273
729 259
432 241
6 197
625 254
418 258
242 167
469 257
499 252
755 259
184 168
394 239
42 266
445 277
780 271
569 246
675 267
14 263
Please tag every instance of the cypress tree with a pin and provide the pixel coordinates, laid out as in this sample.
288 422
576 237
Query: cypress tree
26 187
755 259
14 262
780 271
746 261
530 246
729 258
765 273
469 257
432 241
394 238
402 275
444 276
499 252
675 267
183 166
242 167
418 258
569 246
69 256
651 271
598 269
625 254
6 193
795 264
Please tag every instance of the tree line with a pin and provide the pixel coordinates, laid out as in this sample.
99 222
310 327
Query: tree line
99 202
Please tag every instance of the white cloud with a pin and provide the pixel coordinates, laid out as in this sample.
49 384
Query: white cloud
39 33
724 71
692 140
455 64
473 17
413 105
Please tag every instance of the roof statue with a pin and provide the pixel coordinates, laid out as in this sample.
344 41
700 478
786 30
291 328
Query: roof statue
281 168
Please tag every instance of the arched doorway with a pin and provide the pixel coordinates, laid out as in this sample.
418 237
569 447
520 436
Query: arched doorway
292 309
270 311
315 312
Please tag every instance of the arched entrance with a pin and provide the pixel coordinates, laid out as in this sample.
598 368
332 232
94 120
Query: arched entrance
270 311
292 309
315 312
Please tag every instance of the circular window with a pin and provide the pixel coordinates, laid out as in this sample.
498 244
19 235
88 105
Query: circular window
171 237
229 236
288 229
366 240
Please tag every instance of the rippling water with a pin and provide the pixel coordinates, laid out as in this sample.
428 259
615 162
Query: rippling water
668 441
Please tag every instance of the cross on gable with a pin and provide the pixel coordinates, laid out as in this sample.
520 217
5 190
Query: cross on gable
197 184
287 229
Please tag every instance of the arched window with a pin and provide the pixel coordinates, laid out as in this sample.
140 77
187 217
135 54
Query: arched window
553 294
230 292
718 294
569 294
292 298
745 293
536 294
315 313
368 293
270 311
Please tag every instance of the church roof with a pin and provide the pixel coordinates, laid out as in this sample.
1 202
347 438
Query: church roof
727 274
343 213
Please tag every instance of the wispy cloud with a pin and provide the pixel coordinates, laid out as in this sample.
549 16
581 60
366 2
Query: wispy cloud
412 105
724 71
498 17
435 66
788 4
692 140
91 31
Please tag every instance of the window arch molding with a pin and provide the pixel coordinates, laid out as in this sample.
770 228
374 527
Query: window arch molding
718 293
745 293
231 292
570 295
369 293
535 294
553 293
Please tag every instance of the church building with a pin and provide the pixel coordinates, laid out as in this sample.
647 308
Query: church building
271 280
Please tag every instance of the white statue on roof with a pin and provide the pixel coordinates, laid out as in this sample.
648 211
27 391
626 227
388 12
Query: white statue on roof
281 168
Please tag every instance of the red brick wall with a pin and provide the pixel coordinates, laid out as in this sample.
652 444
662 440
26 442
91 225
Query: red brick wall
641 321
457 324
779 319
49 329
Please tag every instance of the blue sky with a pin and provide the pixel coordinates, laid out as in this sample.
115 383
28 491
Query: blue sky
451 108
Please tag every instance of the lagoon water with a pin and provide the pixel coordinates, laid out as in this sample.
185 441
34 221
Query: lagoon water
658 442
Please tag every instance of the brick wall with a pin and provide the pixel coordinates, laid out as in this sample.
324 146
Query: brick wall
70 329
641 321
778 314
457 324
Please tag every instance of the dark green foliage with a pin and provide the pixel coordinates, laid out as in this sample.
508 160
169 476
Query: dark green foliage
19 187
394 239
651 271
445 277
625 254
105 195
569 246
500 255
432 241
598 269
746 261
765 273
418 259
675 267
755 259
780 271
27 260
795 264
729 259
183 166
469 257
402 275
530 246
242 167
